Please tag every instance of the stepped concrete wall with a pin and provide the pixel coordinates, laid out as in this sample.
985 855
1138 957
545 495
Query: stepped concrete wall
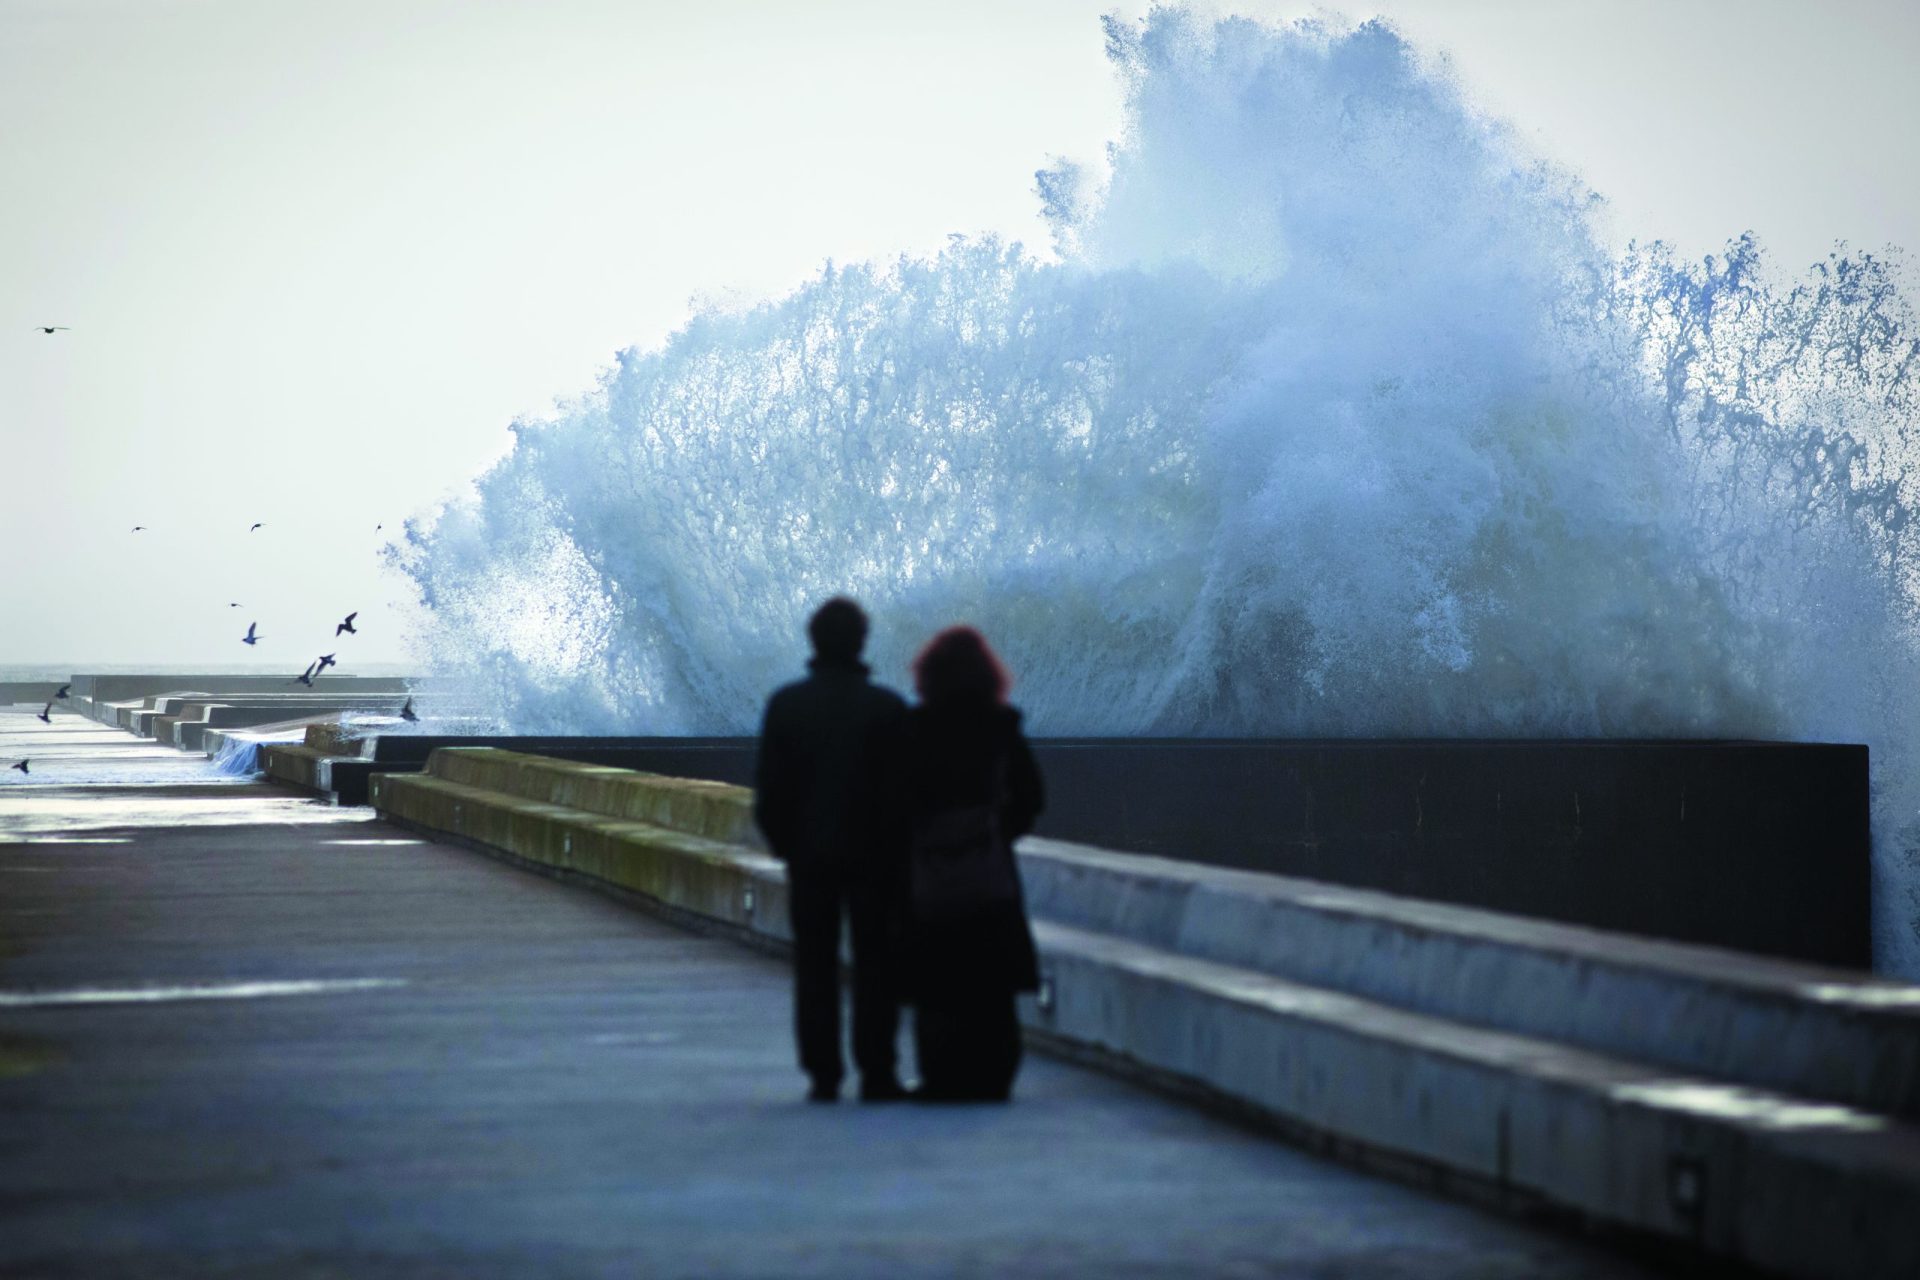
1757 1111
1762 847
187 728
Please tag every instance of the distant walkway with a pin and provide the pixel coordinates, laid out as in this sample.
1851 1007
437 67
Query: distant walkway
381 1057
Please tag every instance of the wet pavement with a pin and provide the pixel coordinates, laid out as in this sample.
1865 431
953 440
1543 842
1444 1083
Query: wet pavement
243 1033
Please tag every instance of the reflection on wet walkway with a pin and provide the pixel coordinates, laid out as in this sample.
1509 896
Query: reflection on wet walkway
89 778
220 991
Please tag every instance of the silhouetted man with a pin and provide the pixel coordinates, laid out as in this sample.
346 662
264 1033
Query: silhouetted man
827 802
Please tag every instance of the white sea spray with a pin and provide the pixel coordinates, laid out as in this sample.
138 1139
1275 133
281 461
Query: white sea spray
1328 415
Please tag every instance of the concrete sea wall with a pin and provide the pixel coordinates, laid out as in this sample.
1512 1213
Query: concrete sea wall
1758 846
1752 1110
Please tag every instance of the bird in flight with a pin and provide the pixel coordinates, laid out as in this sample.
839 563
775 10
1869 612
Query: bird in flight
306 677
137 528
22 767
53 328
256 525
326 660
61 692
406 712
347 626
47 714
252 637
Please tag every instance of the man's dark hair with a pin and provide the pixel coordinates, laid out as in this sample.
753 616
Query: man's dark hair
838 630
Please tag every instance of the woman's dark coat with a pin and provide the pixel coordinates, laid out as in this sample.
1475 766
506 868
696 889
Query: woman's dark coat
953 756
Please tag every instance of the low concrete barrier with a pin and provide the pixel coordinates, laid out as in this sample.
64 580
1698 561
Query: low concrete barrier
1833 1034
140 718
310 763
1762 847
133 686
153 716
187 729
236 750
1756 1110
402 750
106 697
683 872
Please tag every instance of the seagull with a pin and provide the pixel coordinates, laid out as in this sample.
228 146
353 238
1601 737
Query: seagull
256 525
53 328
61 692
306 677
326 660
250 637
137 528
22 767
406 712
46 715
347 626
233 604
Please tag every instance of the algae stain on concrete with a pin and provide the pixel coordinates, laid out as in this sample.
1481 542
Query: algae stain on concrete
20 1055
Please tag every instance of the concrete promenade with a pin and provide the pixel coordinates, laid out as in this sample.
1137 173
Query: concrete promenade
246 1033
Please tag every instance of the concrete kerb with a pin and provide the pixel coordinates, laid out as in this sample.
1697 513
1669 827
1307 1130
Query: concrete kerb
729 885
145 719
308 767
220 711
1835 1035
1809 1188
310 763
216 741
132 687
1799 1188
106 697
714 810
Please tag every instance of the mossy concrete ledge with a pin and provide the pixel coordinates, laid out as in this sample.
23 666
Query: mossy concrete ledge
1435 1043
648 835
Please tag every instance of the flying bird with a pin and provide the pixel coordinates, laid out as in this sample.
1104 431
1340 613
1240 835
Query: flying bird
53 328
306 677
233 604
347 626
406 712
22 767
137 528
256 525
326 660
251 637
61 692
46 715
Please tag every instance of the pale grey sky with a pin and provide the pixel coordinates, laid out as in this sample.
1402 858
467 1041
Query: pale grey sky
316 256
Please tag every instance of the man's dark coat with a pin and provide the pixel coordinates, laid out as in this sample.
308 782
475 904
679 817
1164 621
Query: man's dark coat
826 791
827 797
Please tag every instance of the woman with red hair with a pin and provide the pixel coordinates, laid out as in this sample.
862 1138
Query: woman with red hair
972 788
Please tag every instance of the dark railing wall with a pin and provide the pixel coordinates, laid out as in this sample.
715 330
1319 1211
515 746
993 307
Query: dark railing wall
1758 846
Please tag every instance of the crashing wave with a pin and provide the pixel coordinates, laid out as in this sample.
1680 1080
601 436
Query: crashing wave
1328 414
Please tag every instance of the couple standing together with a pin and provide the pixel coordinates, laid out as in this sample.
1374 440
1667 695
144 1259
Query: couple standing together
902 820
